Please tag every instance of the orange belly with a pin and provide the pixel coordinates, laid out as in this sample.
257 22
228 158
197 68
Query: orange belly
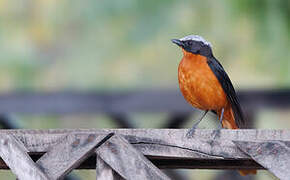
199 85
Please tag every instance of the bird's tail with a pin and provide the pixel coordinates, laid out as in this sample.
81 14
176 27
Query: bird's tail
229 123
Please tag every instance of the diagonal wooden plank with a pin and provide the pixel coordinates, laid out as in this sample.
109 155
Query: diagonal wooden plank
273 155
118 153
69 153
104 171
15 156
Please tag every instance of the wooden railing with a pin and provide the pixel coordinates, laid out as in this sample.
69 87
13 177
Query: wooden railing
124 153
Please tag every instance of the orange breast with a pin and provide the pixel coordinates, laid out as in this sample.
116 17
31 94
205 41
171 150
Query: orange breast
199 85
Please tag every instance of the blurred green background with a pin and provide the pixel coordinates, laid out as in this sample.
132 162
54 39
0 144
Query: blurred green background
113 45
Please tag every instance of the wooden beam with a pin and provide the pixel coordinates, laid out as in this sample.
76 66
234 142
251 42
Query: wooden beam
139 101
166 148
172 163
69 153
15 156
128 162
216 144
104 171
273 155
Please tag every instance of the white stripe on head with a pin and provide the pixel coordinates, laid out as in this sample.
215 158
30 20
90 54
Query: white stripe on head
196 38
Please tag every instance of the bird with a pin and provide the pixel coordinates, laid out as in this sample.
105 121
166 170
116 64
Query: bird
206 86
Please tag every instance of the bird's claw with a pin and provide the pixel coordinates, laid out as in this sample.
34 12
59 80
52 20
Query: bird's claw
220 127
190 133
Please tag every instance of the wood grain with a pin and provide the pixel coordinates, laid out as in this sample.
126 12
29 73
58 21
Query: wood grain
15 156
273 155
128 162
104 171
166 148
69 153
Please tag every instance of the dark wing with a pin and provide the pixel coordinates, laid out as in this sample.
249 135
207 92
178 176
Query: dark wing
227 86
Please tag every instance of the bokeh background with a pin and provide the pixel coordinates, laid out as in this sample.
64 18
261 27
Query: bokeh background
124 46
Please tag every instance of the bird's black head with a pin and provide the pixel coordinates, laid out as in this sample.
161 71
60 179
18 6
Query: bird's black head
194 44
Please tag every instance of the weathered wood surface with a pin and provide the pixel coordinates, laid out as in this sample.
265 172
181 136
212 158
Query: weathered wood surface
174 141
15 156
128 162
68 154
104 171
167 148
273 155
142 101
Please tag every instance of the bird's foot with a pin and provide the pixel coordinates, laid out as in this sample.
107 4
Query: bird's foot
190 133
220 126
216 134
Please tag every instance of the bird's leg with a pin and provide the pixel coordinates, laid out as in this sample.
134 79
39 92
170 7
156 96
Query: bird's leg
221 118
196 124
216 133
191 131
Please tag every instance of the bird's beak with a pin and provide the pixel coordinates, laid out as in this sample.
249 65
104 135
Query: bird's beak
178 42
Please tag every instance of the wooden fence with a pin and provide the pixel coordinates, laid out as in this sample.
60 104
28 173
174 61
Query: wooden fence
121 153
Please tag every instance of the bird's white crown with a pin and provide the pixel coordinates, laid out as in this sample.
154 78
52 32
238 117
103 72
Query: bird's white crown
196 38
